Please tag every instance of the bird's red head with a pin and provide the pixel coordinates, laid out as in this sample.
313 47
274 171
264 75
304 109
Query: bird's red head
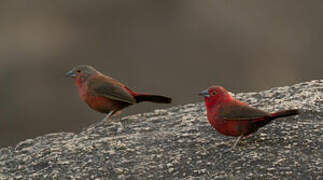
214 95
81 73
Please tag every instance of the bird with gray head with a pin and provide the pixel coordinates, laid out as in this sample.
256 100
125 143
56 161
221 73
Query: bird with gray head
105 94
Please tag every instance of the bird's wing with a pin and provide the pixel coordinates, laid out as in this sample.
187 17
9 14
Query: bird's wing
240 111
110 88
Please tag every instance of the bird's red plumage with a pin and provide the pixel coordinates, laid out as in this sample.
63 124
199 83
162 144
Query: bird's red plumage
231 117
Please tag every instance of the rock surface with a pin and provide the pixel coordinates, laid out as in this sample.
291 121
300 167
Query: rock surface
178 143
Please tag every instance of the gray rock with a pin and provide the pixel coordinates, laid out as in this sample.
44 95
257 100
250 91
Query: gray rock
179 143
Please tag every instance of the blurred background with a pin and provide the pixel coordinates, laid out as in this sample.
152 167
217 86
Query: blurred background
169 47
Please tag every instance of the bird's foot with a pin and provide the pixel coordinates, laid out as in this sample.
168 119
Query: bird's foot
236 142
108 116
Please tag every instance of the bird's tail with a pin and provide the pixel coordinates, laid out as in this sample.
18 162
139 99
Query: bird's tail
152 98
275 115
284 113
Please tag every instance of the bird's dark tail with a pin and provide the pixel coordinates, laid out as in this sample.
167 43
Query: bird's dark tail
275 115
152 98
284 113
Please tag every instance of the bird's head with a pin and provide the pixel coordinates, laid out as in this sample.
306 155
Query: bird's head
214 95
81 73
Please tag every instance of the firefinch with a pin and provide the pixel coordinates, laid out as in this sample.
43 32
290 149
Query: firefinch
232 117
107 95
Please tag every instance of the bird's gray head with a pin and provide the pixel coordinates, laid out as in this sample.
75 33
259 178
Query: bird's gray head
81 72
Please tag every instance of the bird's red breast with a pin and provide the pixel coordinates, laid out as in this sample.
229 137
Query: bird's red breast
233 118
104 94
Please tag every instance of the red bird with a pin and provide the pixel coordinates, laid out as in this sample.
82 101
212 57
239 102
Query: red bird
231 117
106 95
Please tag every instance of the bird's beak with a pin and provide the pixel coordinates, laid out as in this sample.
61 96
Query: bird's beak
204 93
70 74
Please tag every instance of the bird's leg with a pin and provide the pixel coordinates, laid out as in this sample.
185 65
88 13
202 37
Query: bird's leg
237 141
108 116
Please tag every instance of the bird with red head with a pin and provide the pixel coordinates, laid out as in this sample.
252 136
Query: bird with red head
232 117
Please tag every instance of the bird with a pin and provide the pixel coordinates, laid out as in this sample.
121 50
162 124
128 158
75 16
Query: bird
105 94
232 117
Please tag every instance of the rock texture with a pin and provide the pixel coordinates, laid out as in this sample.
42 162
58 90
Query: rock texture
178 143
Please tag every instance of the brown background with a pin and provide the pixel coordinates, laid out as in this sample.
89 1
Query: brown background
169 47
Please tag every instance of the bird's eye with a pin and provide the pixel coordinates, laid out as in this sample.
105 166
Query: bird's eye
213 93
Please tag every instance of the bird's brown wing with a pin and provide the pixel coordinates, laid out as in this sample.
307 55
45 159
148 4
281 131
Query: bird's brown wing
239 111
110 88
